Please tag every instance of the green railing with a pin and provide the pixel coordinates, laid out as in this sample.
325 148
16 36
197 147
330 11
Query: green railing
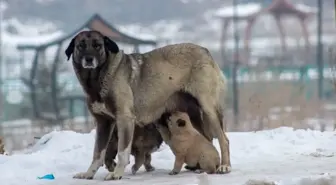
305 76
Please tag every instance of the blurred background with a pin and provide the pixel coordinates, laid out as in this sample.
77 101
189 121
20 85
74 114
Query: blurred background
277 56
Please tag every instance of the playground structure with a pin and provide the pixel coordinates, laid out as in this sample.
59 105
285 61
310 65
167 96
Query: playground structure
96 22
251 12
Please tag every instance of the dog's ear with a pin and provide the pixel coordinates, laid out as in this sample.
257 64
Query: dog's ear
181 123
70 48
110 45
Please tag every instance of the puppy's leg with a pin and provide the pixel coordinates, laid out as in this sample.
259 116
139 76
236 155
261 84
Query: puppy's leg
139 161
125 125
179 160
148 160
103 131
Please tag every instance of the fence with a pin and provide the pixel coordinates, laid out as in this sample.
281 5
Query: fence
273 87
16 100
302 75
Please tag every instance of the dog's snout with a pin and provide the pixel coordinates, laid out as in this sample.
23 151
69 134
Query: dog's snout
88 58
89 61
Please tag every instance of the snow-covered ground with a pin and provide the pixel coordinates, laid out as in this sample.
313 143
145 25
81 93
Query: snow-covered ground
283 155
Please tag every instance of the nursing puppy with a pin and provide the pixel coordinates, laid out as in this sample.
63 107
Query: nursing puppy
146 140
188 145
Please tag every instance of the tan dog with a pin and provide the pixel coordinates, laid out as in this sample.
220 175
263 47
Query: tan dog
139 88
188 145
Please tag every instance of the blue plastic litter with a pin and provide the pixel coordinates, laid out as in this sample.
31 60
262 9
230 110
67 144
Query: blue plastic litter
48 176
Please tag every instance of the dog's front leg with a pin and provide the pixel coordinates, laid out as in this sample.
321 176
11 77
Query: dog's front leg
104 130
179 160
125 124
111 152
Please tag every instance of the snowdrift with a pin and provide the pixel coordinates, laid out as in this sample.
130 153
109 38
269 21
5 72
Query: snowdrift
281 156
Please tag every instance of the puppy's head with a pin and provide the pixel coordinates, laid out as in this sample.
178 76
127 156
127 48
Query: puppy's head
178 121
90 49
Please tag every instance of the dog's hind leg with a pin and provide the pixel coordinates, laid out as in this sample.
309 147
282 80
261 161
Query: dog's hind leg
104 130
215 120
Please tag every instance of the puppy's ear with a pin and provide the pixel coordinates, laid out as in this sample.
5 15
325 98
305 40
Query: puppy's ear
110 45
70 48
181 123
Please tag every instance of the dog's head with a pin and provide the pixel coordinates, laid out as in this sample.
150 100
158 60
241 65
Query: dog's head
178 121
90 49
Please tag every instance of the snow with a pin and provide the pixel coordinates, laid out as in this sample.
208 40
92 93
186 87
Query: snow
161 30
3 6
306 8
132 29
243 10
283 155
34 33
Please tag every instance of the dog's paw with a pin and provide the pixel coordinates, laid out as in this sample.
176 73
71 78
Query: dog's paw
83 175
112 176
110 166
222 169
173 172
134 169
149 168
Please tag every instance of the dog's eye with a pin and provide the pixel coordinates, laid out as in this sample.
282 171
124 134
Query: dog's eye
82 45
97 46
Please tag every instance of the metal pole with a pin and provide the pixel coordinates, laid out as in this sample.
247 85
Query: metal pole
335 10
319 53
235 64
2 8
